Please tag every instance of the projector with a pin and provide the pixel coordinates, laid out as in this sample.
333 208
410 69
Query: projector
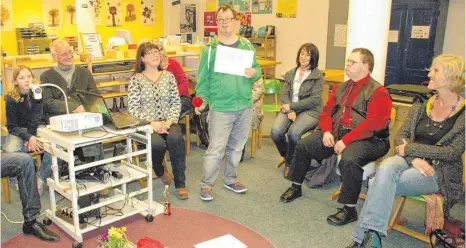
75 122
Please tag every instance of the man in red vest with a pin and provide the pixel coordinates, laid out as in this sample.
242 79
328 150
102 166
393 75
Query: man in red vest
353 124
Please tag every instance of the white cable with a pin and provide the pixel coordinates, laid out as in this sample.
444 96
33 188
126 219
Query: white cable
17 222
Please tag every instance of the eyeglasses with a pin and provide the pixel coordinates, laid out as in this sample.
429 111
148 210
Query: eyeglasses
154 53
226 20
352 62
65 55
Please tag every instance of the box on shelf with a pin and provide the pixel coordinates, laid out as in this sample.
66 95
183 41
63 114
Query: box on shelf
115 54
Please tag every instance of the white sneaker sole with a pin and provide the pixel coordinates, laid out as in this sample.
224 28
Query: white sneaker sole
207 198
234 190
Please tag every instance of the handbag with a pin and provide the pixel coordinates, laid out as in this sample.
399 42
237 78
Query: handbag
451 236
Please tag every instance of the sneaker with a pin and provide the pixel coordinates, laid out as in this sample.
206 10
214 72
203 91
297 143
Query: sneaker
40 185
207 194
236 187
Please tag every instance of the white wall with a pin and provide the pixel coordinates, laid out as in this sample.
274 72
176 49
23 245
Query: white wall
309 26
454 42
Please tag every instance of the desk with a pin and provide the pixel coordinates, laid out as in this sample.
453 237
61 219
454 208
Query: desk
68 142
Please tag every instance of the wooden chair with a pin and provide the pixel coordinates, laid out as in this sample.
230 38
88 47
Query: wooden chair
397 222
369 169
187 123
6 180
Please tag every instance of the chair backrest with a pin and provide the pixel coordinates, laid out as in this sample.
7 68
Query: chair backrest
392 119
272 86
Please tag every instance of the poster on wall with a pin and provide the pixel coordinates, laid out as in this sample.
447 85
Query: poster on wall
113 14
188 18
244 18
211 5
52 13
70 14
147 12
261 6
237 5
209 19
98 12
130 14
287 8
7 15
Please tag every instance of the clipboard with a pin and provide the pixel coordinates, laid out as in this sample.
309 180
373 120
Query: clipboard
91 44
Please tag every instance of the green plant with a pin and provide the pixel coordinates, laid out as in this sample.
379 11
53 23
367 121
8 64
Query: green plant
114 238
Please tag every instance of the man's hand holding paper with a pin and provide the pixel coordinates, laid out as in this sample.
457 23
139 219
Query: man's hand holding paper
234 61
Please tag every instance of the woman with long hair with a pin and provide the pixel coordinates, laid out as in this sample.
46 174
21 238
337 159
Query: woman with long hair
153 96
23 116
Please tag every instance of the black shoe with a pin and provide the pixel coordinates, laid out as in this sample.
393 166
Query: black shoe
371 239
344 216
40 230
290 194
354 244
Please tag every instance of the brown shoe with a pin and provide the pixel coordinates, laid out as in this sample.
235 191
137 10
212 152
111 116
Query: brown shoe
182 193
166 179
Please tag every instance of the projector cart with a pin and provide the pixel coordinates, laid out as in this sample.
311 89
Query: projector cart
62 145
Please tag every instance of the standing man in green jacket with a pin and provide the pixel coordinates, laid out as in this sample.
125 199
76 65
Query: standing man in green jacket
230 99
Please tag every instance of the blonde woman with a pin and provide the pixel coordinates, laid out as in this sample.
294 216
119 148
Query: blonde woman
153 96
428 159
24 115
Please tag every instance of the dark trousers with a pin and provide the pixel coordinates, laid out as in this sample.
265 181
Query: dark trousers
22 166
186 107
354 156
174 143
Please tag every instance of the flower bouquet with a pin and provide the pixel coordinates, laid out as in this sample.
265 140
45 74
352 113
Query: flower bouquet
115 238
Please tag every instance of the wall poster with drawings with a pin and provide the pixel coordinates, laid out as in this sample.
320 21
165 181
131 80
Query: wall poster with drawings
188 18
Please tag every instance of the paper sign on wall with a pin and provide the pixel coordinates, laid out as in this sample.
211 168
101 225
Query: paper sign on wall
339 38
393 36
420 32
92 44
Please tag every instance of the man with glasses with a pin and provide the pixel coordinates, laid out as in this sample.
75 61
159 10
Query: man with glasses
354 125
230 99
69 77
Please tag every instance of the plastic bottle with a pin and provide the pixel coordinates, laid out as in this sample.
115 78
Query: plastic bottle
167 208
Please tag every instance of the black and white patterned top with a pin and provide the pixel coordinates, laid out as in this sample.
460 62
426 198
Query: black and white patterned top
154 101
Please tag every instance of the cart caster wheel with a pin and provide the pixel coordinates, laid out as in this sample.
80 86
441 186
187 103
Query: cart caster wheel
47 221
76 244
149 218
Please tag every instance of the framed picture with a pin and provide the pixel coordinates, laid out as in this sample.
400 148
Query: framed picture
92 44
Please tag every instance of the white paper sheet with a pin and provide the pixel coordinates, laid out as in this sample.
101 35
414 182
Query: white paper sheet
225 241
233 60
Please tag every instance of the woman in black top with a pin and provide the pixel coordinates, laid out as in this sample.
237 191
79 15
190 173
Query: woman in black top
428 159
24 115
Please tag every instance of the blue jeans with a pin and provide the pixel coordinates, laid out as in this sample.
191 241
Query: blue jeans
228 133
394 177
293 130
16 144
21 165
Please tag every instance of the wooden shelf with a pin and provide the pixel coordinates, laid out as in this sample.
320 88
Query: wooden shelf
110 84
113 94
111 72
187 69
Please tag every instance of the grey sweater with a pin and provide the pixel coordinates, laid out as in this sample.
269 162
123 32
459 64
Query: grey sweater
445 155
54 102
310 93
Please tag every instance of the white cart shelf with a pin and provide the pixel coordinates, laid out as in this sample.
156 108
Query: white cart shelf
62 145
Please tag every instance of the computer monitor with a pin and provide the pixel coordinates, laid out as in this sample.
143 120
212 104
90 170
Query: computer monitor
124 34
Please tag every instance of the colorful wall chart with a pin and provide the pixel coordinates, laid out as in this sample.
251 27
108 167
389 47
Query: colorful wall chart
238 5
261 6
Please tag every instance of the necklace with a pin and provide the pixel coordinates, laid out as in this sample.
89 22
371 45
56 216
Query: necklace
437 126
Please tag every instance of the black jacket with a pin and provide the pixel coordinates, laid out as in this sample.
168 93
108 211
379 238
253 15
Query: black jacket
26 114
